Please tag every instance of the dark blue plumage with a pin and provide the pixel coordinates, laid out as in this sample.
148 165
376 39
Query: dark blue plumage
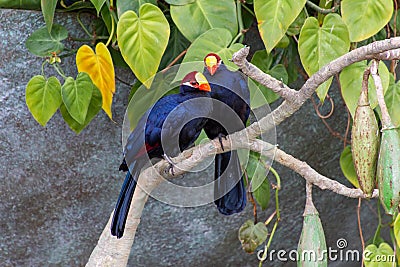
230 88
188 112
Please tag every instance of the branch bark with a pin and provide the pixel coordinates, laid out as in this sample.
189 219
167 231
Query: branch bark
115 252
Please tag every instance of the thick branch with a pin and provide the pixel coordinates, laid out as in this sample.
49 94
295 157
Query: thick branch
293 103
239 58
113 252
387 55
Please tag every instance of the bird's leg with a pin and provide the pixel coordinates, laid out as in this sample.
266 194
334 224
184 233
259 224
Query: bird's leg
171 164
220 136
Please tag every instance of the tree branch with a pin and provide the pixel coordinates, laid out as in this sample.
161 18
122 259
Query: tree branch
111 251
293 103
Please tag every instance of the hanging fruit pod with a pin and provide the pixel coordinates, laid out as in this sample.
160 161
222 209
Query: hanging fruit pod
365 144
312 245
388 172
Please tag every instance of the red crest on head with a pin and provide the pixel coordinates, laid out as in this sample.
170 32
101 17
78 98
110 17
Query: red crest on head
212 55
191 76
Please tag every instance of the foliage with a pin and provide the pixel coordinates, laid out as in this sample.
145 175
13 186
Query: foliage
149 36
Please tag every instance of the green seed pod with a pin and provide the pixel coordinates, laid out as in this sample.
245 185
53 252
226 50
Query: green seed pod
388 172
365 144
312 246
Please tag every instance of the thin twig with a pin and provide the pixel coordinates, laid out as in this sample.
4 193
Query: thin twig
359 224
174 61
122 81
322 10
251 199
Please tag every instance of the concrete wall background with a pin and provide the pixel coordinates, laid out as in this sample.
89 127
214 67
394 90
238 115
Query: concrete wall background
58 189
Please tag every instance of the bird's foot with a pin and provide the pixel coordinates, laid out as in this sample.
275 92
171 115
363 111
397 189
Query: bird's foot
220 136
171 164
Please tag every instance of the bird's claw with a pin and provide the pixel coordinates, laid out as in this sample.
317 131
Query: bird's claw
171 164
220 136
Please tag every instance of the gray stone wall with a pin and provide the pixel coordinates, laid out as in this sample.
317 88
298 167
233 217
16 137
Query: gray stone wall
58 189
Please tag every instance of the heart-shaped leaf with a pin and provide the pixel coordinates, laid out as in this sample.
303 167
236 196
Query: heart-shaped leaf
365 18
42 43
100 68
274 18
125 5
76 95
392 100
143 40
320 45
198 17
94 108
48 8
251 236
351 82
98 4
382 256
347 166
43 97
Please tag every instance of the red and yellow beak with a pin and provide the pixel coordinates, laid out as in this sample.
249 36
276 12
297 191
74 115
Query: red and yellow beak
203 83
211 64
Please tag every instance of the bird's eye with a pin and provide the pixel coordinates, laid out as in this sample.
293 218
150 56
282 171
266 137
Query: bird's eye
193 83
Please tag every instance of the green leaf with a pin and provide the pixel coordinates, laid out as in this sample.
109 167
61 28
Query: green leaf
125 5
365 18
351 83
251 236
347 166
179 2
392 22
42 43
198 17
289 59
94 108
25 4
43 97
76 95
295 27
98 4
48 8
259 182
283 43
262 194
396 229
263 61
77 5
177 44
392 100
136 39
216 41
274 18
382 256
320 45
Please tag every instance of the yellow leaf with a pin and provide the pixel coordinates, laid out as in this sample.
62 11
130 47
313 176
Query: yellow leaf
100 68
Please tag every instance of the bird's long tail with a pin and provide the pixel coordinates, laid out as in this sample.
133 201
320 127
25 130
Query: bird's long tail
124 201
227 174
